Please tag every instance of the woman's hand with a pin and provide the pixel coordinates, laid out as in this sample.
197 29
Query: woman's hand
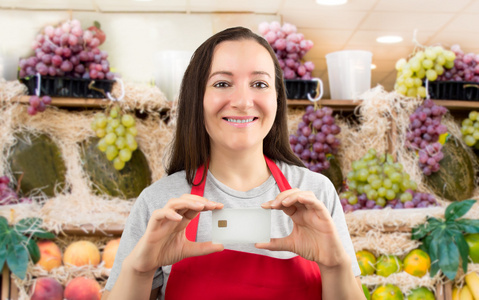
165 242
314 236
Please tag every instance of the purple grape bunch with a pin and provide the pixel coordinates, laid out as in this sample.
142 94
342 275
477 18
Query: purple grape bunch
67 51
423 135
316 138
466 67
8 196
290 47
38 104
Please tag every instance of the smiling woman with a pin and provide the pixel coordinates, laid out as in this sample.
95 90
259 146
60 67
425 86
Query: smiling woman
231 150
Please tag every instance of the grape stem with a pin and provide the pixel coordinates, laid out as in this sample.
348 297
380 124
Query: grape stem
19 182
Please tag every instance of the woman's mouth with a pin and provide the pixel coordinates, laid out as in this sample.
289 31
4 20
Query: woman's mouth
240 121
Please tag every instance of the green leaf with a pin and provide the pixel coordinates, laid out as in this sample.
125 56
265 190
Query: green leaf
422 230
17 256
468 225
31 227
434 251
33 251
3 252
4 228
448 256
463 249
458 209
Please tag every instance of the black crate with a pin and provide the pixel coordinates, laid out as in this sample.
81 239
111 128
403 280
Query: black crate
299 89
68 87
454 90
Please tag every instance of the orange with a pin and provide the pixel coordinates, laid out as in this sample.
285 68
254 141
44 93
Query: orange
473 242
421 293
417 263
366 261
387 292
388 264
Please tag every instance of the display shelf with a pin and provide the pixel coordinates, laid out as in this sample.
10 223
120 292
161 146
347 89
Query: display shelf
89 230
85 102
349 105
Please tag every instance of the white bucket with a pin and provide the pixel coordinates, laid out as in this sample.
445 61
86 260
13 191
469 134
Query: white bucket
169 70
349 73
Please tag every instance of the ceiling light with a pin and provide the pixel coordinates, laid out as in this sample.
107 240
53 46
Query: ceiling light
389 39
373 66
331 2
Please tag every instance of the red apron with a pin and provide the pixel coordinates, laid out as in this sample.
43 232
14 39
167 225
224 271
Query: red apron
239 275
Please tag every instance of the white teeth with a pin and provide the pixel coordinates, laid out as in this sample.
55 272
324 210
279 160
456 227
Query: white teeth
240 121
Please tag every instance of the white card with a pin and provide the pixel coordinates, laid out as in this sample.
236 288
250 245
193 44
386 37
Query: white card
241 225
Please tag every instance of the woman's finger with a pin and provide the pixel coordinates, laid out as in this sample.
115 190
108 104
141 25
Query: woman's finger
275 244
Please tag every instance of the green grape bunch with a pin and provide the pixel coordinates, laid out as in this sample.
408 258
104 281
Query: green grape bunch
423 64
470 130
117 132
376 182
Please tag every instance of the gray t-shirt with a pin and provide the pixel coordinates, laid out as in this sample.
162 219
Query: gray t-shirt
156 195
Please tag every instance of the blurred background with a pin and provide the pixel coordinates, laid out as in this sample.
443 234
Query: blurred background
148 40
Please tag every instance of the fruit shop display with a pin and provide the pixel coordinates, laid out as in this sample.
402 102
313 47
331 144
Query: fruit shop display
315 141
37 160
416 263
470 130
8 195
66 50
117 136
376 181
466 67
38 104
427 63
448 233
423 135
455 180
290 48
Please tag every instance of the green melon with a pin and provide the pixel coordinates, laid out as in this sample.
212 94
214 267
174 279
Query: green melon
455 179
126 183
334 173
40 161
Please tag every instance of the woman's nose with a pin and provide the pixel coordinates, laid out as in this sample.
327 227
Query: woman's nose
242 97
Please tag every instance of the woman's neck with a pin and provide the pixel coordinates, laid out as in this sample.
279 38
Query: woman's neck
240 171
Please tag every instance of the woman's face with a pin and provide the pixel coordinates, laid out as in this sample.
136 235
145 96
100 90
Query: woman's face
240 96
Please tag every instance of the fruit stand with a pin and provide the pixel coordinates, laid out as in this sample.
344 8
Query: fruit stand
85 198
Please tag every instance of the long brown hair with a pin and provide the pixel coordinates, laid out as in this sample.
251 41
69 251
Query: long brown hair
191 144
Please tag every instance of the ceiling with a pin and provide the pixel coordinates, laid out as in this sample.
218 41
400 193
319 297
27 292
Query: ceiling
355 25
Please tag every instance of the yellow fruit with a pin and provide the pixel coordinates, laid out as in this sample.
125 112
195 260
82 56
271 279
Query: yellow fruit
417 263
473 242
387 292
421 293
472 280
366 261
388 264
463 293
81 253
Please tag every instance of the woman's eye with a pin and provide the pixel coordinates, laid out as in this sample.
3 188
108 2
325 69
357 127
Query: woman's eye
260 84
221 84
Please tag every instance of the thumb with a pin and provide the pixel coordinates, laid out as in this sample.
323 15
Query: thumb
280 244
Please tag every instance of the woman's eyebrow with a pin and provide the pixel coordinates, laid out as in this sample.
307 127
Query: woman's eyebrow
227 73
261 73
221 73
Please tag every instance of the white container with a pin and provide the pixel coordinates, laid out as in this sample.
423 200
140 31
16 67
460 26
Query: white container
349 73
169 70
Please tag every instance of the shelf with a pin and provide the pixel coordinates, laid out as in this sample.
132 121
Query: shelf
83 102
350 105
89 230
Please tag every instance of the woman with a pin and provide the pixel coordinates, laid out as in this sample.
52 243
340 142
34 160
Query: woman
231 149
